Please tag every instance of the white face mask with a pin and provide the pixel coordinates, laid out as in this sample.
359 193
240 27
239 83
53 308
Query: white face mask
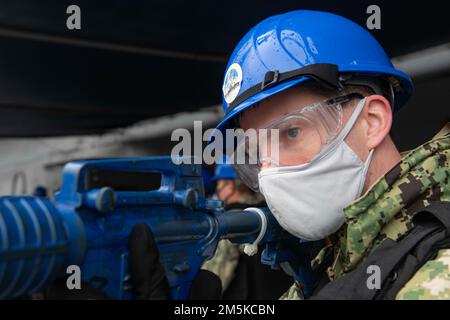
308 200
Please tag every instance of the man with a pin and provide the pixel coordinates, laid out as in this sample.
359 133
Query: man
327 89
324 91
242 277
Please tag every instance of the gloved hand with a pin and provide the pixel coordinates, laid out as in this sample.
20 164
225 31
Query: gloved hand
147 274
149 278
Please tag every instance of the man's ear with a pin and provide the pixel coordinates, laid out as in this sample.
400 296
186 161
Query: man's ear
378 115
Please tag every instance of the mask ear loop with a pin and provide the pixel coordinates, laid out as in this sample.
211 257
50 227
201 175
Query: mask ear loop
345 131
352 120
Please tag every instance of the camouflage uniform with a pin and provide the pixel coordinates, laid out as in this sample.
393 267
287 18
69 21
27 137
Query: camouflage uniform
385 211
224 262
432 281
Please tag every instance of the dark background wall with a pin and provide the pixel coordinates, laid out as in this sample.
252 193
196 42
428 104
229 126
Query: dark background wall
141 59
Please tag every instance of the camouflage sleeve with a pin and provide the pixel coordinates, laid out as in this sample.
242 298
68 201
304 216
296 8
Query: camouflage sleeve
431 282
293 293
224 262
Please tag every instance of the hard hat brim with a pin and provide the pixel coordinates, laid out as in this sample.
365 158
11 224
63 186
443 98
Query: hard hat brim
400 98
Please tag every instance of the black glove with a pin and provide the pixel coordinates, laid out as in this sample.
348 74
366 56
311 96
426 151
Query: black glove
148 275
206 286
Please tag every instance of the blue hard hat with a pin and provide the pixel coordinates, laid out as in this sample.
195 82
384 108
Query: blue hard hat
287 49
224 170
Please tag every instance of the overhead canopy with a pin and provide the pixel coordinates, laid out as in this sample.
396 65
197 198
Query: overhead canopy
141 59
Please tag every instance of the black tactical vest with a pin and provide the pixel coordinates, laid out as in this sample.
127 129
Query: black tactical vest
398 260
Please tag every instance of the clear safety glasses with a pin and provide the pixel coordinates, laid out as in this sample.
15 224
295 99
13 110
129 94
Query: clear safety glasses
296 138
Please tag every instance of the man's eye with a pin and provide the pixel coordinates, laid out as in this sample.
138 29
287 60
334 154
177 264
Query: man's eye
292 133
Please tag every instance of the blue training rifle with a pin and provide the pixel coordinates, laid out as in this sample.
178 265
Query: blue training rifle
89 221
